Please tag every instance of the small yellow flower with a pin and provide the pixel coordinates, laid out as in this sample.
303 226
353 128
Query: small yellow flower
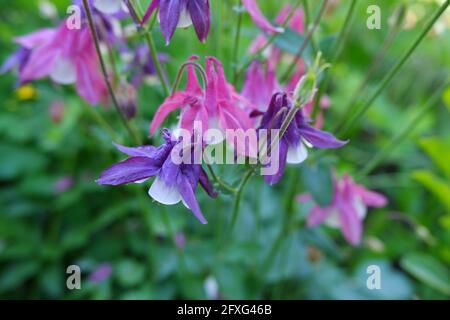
26 92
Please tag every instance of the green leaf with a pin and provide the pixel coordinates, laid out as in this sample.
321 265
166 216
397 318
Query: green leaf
428 270
130 273
439 151
19 161
447 98
318 181
16 274
437 186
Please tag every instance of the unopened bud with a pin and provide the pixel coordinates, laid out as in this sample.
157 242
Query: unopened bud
127 100
307 86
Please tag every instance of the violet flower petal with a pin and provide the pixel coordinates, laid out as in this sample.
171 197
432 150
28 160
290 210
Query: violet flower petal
188 195
169 14
320 139
142 151
207 185
200 15
282 156
130 170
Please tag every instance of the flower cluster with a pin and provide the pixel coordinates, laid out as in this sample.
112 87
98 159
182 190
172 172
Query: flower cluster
266 102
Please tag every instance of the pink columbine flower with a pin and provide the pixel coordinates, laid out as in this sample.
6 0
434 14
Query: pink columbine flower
260 84
347 209
218 106
67 57
261 80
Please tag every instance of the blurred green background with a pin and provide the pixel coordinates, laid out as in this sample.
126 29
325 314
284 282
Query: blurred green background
52 214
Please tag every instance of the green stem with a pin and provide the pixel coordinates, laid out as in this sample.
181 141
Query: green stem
289 210
339 45
353 120
411 124
237 200
237 38
180 73
348 109
153 52
133 135
306 12
305 42
219 181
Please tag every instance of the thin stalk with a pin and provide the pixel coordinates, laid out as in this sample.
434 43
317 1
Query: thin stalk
180 73
237 38
153 52
219 181
132 134
306 12
353 120
284 126
305 42
370 71
339 45
237 200
411 124
112 59
289 210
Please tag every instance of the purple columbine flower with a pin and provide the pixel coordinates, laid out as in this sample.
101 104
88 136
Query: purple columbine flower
348 208
181 14
141 65
299 135
173 183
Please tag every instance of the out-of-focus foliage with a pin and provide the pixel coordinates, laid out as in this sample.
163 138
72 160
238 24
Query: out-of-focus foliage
46 225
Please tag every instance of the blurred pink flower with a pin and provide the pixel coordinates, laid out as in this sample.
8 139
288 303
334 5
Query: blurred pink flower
63 184
56 111
258 18
347 209
180 240
67 57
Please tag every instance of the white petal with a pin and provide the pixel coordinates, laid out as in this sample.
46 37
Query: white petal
215 134
333 220
163 194
309 145
64 72
185 204
360 207
108 6
141 181
185 19
211 287
298 154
